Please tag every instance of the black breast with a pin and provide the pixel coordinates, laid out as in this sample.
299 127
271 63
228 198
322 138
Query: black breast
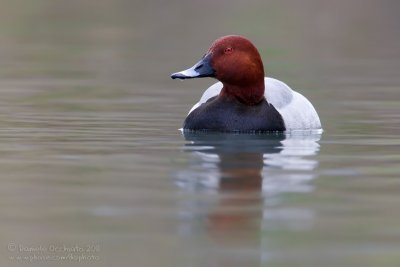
226 114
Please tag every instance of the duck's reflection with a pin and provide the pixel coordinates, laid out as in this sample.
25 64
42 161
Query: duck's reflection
233 179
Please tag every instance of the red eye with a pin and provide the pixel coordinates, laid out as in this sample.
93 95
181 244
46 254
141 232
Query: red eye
228 50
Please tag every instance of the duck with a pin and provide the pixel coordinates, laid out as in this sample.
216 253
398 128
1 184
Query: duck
243 99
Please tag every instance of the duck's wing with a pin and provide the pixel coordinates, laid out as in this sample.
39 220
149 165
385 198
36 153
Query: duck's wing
297 112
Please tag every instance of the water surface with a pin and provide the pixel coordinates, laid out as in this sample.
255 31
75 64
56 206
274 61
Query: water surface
94 169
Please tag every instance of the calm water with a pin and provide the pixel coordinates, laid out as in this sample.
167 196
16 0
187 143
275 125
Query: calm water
95 172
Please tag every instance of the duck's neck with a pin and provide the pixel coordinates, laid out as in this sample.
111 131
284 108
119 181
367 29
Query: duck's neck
249 94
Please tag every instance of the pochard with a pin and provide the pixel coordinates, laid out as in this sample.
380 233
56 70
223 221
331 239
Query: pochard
244 100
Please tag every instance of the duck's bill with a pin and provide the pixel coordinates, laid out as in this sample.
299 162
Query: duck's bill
202 68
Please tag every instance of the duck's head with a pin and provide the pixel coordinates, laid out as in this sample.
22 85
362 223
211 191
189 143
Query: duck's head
234 61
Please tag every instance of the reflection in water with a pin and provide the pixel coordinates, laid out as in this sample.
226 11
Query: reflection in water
238 181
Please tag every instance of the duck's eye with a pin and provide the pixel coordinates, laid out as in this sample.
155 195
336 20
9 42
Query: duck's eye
228 50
